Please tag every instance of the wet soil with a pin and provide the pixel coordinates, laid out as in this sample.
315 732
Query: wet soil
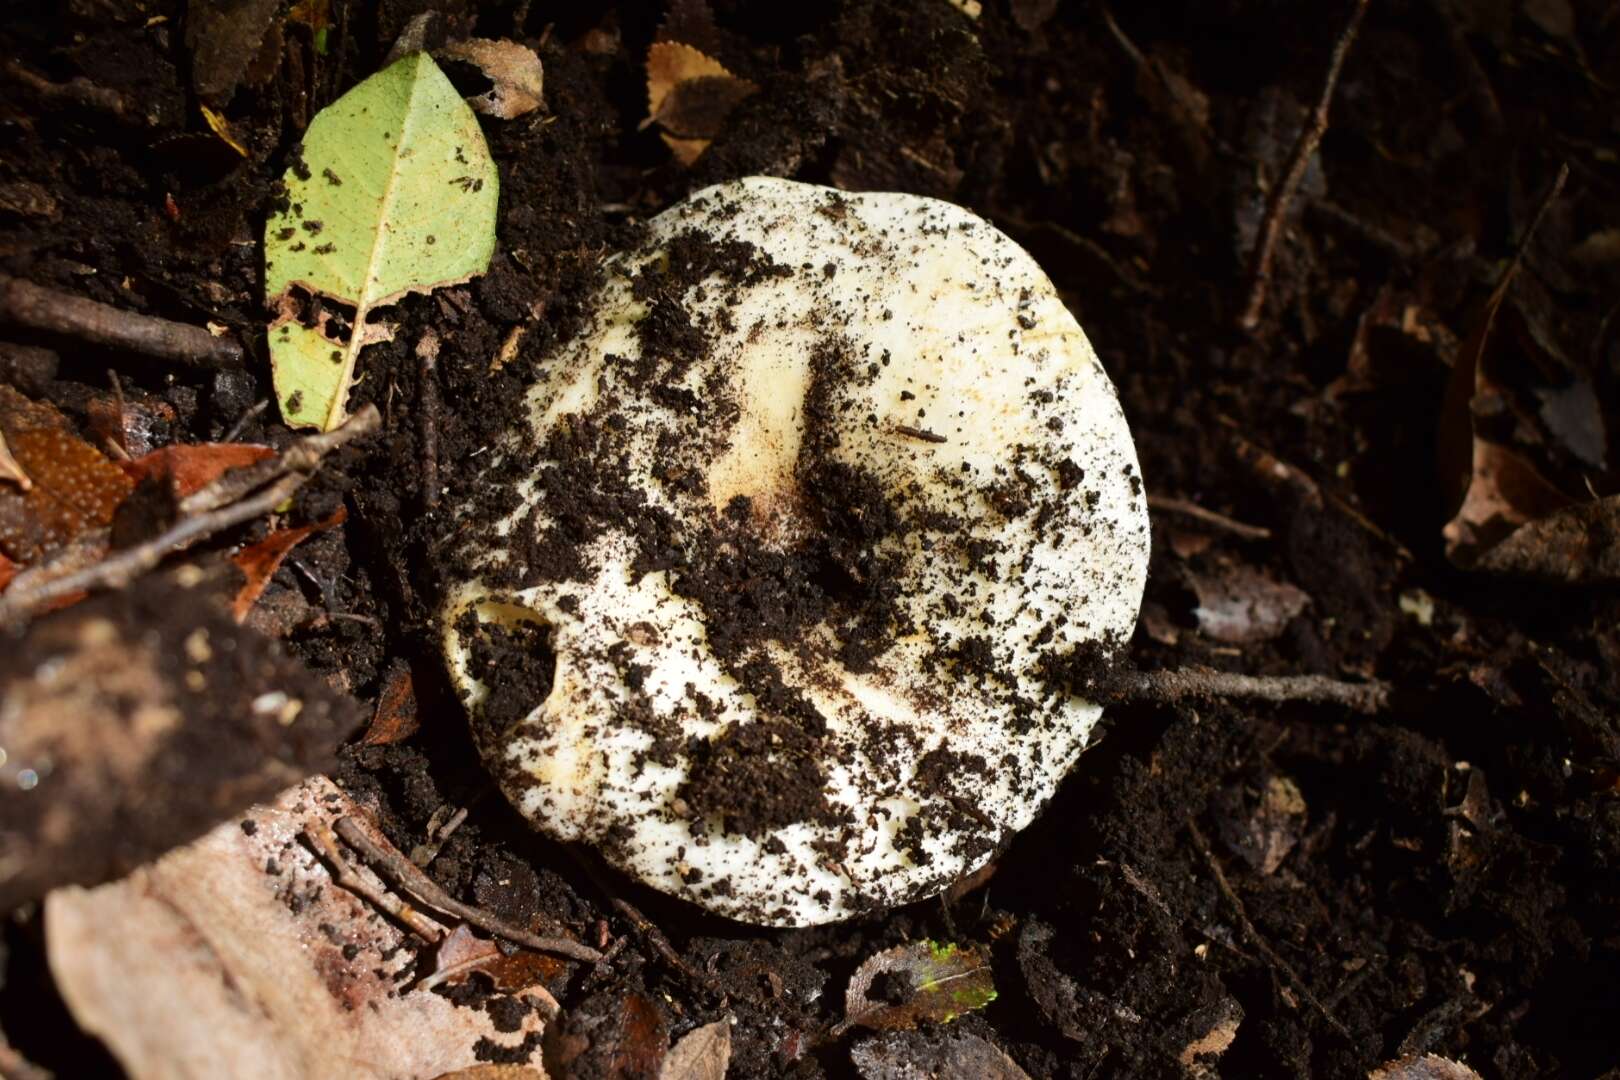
1442 877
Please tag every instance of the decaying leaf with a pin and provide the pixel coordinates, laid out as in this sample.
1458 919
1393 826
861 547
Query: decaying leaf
514 70
135 721
1268 830
1217 1026
950 1055
1493 488
190 468
701 1054
1425 1067
73 489
258 562
924 981
395 192
222 37
1579 545
690 95
396 717
240 948
1240 604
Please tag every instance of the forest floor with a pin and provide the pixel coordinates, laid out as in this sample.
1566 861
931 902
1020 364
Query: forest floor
1316 891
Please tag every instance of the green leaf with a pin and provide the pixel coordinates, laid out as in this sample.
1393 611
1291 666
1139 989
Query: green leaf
929 981
395 193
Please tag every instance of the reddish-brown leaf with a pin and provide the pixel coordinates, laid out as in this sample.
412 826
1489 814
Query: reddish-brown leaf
396 710
73 488
8 570
193 467
259 561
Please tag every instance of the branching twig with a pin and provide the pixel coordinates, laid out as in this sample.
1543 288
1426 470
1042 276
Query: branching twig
1253 934
27 304
1167 687
1282 195
409 877
1208 517
217 507
321 836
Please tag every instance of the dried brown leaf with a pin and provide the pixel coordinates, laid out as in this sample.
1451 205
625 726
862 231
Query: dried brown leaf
697 112
1265 835
514 69
396 717
74 487
701 1054
1240 604
258 562
192 467
240 948
927 981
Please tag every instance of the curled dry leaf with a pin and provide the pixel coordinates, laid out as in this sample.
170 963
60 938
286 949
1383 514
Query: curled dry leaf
689 95
701 1054
514 70
258 562
73 489
922 981
608 1036
239 948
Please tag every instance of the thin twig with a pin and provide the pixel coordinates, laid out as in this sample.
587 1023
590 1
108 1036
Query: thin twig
1253 934
321 836
245 419
27 304
77 91
644 926
1169 687
1208 517
1265 248
406 875
217 507
427 351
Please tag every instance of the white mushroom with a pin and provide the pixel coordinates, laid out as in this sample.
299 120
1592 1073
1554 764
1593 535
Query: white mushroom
802 527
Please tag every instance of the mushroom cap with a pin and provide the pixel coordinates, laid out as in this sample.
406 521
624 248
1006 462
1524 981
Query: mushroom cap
800 534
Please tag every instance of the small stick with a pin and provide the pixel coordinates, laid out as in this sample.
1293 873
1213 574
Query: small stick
27 304
1208 517
245 419
1253 934
409 877
78 90
427 351
1169 687
1265 248
211 510
321 836
644 926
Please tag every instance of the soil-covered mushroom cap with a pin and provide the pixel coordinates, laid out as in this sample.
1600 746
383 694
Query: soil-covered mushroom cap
798 533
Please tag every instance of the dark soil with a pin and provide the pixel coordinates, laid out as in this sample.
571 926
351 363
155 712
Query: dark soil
1442 877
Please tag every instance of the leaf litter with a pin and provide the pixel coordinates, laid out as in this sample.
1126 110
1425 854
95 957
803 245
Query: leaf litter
923 982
